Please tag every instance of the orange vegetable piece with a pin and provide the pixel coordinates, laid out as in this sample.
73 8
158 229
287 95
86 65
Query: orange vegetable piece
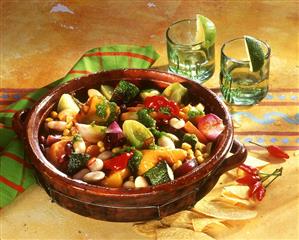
116 179
190 128
152 157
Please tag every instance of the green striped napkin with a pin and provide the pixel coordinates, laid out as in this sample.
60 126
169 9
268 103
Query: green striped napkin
16 173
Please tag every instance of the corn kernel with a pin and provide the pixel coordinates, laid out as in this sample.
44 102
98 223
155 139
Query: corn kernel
176 165
69 125
66 132
186 146
69 119
49 119
102 149
74 131
190 154
116 149
198 153
54 114
200 159
100 144
199 146
205 155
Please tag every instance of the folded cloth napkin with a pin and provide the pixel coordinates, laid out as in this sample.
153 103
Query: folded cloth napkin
16 173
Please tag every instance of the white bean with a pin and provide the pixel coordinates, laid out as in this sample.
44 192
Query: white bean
166 142
79 146
79 175
95 164
57 125
177 123
141 182
105 155
93 92
92 177
129 184
172 137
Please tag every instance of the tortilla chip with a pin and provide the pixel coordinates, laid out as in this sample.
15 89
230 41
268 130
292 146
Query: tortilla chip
199 224
147 229
239 191
216 229
236 201
222 210
173 233
181 219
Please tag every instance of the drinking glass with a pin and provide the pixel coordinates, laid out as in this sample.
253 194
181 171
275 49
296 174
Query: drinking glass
186 56
240 85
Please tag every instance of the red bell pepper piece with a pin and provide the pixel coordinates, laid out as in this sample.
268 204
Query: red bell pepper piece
165 108
119 162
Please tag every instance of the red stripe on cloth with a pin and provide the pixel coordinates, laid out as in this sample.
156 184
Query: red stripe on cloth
73 71
6 127
267 133
286 148
7 102
9 110
126 54
28 98
17 90
11 184
278 104
16 158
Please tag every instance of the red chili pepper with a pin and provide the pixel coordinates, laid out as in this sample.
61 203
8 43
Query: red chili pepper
254 181
248 169
119 162
275 151
248 180
260 194
165 108
254 188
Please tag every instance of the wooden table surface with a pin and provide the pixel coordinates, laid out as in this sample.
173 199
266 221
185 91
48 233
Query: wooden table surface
40 43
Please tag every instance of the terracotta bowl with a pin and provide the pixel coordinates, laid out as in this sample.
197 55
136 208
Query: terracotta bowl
119 204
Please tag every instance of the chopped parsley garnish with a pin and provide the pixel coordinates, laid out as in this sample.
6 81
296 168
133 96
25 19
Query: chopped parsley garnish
101 109
194 112
165 110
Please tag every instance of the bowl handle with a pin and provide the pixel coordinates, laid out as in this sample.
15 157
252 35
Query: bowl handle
239 155
18 123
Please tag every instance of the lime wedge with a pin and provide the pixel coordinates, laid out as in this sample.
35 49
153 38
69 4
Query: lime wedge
255 53
200 32
206 30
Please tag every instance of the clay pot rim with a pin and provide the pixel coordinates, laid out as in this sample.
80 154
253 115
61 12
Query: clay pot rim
43 165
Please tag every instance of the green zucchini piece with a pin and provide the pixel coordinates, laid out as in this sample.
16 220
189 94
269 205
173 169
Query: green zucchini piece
107 91
135 161
159 174
66 101
175 92
136 133
148 93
